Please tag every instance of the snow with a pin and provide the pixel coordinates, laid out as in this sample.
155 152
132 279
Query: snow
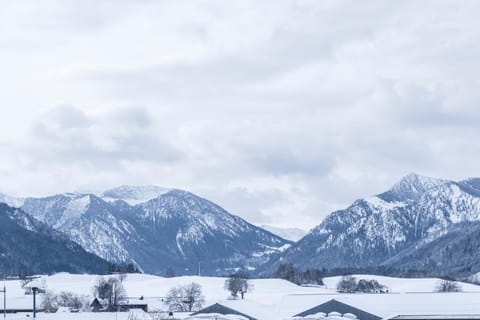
73 210
292 234
379 203
11 201
133 195
216 316
402 285
269 298
132 315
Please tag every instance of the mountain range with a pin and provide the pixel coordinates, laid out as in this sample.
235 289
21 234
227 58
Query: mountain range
421 225
157 229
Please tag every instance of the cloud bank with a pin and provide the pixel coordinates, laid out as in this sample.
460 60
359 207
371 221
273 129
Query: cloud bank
280 111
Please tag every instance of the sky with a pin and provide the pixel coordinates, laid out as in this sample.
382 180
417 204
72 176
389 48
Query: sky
281 111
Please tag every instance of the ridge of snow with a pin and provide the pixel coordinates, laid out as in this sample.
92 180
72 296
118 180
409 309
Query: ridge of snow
133 195
292 234
414 183
380 203
11 201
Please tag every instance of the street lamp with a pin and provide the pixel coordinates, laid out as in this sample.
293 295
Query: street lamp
34 290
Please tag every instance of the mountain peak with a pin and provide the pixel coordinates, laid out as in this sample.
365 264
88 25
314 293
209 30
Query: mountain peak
411 187
134 194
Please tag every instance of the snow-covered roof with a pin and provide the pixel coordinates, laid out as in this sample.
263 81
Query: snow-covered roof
216 316
389 305
334 308
438 317
246 308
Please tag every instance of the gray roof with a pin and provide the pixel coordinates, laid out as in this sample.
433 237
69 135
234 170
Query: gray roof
337 306
221 309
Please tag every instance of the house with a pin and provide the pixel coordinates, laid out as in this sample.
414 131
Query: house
96 306
128 307
339 308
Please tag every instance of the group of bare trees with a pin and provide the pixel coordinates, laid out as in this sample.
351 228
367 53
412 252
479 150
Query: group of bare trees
186 298
52 302
111 293
349 284
447 286
189 297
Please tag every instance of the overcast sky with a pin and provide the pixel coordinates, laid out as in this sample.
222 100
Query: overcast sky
280 111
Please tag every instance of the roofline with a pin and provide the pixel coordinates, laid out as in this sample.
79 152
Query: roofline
304 313
226 307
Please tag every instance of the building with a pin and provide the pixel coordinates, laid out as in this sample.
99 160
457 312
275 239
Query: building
218 308
340 308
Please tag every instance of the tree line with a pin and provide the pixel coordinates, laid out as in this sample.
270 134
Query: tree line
289 272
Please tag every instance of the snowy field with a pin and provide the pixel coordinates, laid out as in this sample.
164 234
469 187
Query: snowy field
269 299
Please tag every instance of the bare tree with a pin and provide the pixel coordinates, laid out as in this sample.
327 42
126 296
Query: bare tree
49 302
238 283
122 277
447 286
185 298
347 284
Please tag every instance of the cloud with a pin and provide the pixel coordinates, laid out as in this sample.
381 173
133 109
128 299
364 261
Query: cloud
67 136
281 111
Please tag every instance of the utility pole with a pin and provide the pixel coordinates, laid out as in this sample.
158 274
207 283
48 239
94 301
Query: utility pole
4 291
34 290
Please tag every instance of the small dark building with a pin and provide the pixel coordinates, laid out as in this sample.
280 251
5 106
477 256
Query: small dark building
128 307
96 305
340 307
221 309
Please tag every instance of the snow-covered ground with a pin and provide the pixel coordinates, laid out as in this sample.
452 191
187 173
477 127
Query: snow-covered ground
269 299
403 285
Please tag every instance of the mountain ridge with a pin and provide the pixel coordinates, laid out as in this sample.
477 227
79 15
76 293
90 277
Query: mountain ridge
28 246
371 232
174 230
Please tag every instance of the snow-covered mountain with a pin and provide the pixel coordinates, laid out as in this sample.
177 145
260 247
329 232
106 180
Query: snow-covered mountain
133 194
86 219
414 213
175 229
28 246
11 201
292 234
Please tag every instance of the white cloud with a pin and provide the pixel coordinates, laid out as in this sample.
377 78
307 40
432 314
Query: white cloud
281 111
